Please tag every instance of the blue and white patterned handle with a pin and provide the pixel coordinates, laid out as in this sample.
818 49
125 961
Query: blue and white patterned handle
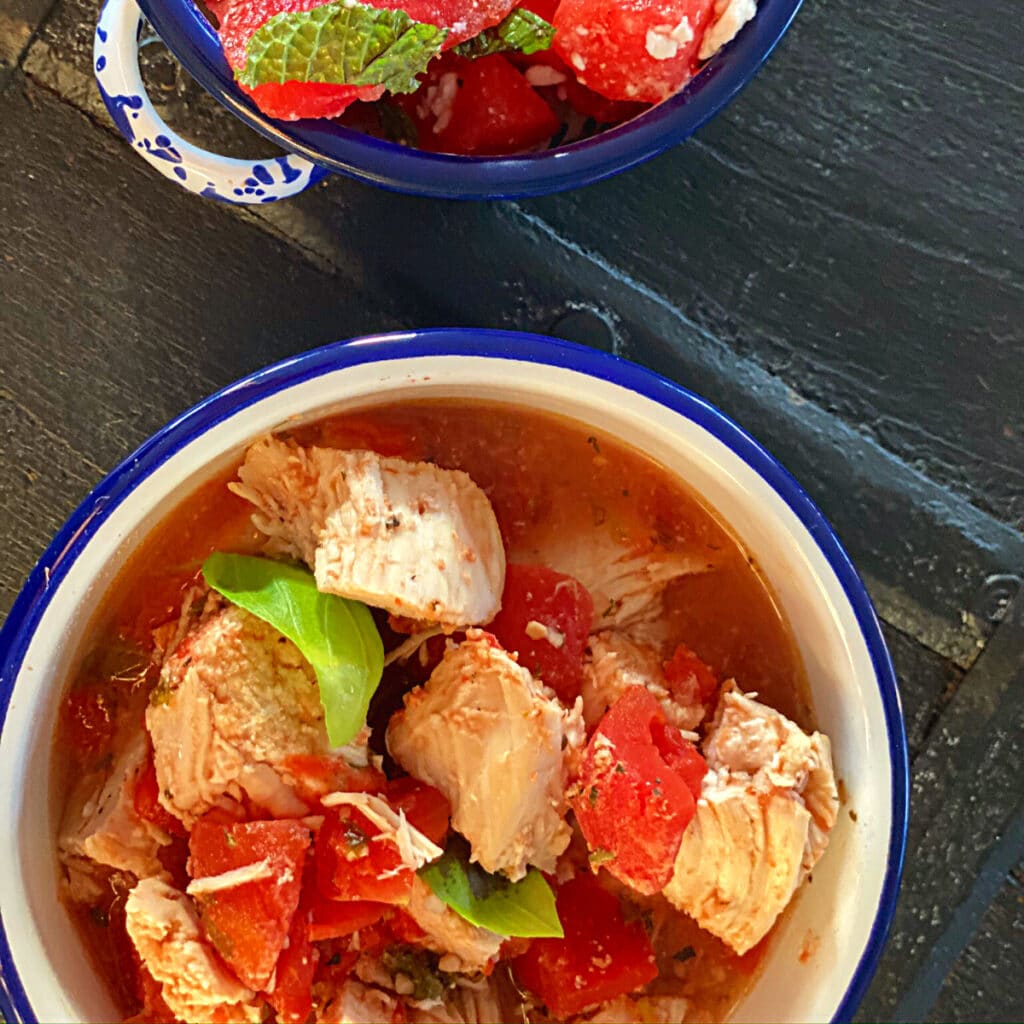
116 56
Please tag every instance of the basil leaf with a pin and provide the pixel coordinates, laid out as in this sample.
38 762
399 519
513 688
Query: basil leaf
525 908
342 43
335 635
522 30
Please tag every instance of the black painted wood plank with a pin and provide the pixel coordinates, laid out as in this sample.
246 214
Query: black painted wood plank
967 831
927 684
119 312
985 983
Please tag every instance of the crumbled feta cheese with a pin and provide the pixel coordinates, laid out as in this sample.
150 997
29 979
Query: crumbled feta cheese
440 99
663 43
578 62
730 17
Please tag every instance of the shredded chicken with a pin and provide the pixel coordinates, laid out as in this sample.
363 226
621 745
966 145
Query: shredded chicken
641 1009
235 699
413 846
166 933
626 581
356 1003
614 664
482 731
420 541
101 827
766 807
491 1000
464 946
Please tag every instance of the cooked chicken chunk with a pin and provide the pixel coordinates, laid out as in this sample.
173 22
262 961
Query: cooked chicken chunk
626 581
766 807
420 541
490 1000
649 1009
165 930
100 823
728 18
356 1003
235 699
482 731
615 663
463 946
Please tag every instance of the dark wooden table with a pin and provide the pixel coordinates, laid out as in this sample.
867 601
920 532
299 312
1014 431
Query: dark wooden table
837 261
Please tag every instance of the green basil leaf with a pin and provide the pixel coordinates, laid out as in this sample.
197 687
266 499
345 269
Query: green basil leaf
525 908
335 635
342 43
522 30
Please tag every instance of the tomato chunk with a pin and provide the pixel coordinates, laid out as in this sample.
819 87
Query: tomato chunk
537 599
426 808
632 802
333 919
146 800
602 955
292 994
248 923
482 107
642 50
314 776
689 679
350 865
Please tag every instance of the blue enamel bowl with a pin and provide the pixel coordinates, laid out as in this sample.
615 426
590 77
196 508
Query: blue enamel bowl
194 43
824 950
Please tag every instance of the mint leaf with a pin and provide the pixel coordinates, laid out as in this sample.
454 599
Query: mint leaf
522 30
525 908
335 635
342 43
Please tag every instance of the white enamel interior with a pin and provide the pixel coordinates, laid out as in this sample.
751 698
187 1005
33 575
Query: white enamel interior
833 916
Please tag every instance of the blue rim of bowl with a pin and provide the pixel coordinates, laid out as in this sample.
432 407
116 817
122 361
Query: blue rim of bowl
45 579
193 41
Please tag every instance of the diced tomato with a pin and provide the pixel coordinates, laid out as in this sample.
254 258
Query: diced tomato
643 51
333 919
632 804
146 800
88 721
427 809
689 679
404 928
535 599
351 866
680 755
292 994
314 776
602 955
248 923
481 107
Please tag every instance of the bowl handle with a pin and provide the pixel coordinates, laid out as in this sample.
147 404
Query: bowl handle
116 57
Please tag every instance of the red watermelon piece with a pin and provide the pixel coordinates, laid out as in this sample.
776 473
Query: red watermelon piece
248 923
633 50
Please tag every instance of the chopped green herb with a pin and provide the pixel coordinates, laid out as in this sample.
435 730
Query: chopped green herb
598 857
521 31
686 953
620 768
419 967
342 42
230 839
593 796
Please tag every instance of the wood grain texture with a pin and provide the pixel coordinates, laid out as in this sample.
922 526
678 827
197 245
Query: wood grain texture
966 831
984 984
119 313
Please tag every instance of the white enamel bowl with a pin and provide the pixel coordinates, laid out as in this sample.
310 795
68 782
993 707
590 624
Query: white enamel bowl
843 916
